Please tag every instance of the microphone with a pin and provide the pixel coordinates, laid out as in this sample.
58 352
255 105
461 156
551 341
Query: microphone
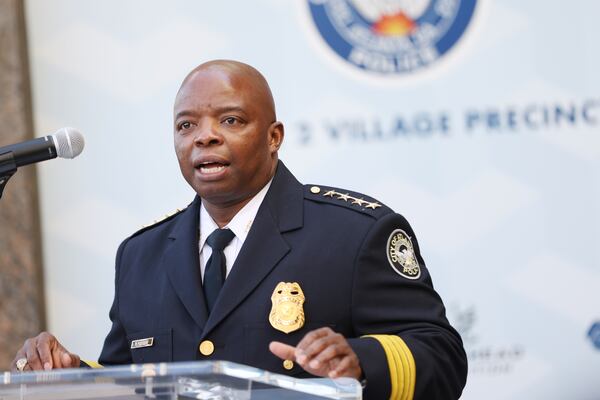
64 143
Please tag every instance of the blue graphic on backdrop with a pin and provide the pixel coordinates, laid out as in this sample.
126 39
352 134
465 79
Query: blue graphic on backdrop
594 335
391 37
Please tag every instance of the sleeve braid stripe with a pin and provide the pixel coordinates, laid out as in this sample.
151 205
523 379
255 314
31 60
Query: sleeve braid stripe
401 365
93 364
410 369
400 374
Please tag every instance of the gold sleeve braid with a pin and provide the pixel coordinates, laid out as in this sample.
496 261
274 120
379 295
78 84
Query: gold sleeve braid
401 364
93 364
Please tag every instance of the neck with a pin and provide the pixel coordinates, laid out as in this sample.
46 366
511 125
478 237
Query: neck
222 212
222 215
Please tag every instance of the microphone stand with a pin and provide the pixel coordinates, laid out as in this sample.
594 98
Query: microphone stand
8 167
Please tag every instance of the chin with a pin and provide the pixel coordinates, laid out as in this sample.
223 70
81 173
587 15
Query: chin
213 193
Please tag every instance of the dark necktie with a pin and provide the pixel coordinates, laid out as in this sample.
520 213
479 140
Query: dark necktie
214 273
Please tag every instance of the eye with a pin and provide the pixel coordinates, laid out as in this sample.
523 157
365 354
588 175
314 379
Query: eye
184 125
232 121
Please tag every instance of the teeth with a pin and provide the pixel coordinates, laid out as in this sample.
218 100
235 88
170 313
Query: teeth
212 170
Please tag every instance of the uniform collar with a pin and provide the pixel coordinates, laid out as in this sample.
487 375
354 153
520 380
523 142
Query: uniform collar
240 224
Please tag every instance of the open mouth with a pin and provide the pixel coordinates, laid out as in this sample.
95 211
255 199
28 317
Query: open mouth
211 167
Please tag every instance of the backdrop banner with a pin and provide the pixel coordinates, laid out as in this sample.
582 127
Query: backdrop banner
476 120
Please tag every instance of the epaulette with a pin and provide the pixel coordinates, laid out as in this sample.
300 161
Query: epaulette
345 198
159 221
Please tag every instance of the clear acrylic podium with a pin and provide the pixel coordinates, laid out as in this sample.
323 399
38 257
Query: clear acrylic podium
217 380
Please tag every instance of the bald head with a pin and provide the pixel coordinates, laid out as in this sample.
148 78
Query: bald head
226 135
241 73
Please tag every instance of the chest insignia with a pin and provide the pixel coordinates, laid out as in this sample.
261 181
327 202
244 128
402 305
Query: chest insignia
401 255
139 343
287 313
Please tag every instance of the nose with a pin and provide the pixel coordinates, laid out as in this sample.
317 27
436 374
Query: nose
207 135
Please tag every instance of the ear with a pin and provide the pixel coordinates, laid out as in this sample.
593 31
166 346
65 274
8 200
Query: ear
275 138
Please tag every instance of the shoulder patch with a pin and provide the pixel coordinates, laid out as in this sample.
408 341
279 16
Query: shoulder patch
401 255
341 197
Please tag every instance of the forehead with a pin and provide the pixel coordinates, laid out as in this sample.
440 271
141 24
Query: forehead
212 88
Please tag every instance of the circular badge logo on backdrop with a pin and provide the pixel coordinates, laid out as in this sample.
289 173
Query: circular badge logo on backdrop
391 38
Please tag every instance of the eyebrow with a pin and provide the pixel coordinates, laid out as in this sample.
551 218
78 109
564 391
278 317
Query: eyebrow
217 110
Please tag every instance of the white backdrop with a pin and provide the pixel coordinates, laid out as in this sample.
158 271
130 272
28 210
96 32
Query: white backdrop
504 197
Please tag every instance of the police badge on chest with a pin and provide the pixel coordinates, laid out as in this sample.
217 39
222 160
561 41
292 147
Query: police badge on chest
287 312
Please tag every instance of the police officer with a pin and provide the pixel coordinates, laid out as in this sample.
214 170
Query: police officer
330 281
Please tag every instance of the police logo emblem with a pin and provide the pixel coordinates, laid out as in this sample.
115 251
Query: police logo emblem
391 37
287 313
401 255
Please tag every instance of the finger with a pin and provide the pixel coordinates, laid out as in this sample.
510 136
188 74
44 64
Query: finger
27 367
57 358
282 350
66 360
20 354
322 343
330 352
311 336
45 354
33 359
75 360
69 360
348 366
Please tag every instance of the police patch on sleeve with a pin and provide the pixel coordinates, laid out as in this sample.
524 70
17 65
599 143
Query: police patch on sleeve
401 255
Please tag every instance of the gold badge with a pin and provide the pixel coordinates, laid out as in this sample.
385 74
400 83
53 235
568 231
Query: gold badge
287 314
401 255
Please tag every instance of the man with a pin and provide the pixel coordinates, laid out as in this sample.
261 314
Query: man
330 281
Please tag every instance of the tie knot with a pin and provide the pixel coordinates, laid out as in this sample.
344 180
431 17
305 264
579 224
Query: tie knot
219 239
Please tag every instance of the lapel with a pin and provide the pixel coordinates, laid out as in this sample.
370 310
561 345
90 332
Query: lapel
281 211
181 260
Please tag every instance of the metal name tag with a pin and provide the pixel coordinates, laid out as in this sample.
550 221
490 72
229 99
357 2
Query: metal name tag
139 343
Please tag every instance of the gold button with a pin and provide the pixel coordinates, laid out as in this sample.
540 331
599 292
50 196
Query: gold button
288 364
315 190
207 348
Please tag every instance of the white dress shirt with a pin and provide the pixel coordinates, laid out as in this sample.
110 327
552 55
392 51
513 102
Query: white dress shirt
240 225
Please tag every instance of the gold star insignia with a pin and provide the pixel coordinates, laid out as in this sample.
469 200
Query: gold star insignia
344 197
156 221
373 205
329 194
360 202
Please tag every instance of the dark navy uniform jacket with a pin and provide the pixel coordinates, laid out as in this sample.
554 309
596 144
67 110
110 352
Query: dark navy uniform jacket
335 250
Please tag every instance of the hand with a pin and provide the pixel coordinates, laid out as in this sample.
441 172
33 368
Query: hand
321 352
45 352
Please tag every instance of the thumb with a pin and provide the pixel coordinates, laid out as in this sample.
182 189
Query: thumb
283 351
